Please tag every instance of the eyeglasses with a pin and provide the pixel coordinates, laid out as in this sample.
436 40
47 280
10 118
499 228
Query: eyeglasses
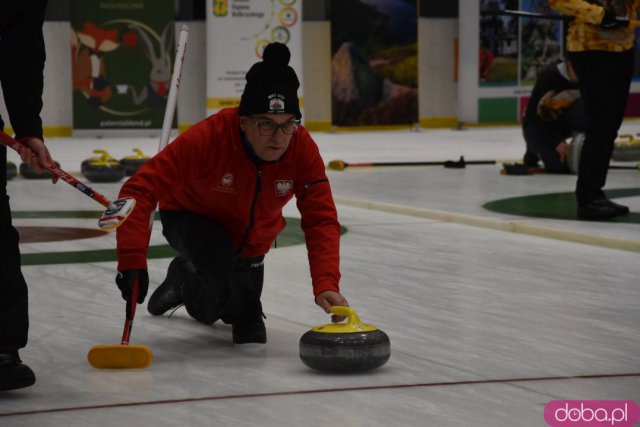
269 128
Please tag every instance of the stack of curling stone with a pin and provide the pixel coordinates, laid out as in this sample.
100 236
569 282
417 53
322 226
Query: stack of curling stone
132 163
627 149
12 170
345 347
29 173
102 169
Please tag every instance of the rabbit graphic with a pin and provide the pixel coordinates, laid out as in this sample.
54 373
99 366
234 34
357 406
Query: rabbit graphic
156 90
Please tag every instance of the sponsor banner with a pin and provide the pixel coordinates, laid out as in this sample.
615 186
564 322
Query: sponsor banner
374 65
237 33
501 57
122 54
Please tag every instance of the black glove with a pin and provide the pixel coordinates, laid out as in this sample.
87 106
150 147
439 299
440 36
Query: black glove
125 280
611 22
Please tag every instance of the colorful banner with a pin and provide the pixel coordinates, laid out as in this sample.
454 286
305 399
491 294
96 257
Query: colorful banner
541 41
499 46
237 33
501 57
374 62
122 54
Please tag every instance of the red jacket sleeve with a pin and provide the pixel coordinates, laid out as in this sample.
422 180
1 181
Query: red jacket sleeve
157 179
319 222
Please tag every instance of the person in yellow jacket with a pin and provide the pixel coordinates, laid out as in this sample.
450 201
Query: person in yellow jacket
600 46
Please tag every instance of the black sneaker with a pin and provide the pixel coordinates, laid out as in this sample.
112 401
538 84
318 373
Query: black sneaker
169 294
13 373
599 209
247 331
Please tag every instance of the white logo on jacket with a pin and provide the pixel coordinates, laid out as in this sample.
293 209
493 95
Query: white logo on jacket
283 187
227 180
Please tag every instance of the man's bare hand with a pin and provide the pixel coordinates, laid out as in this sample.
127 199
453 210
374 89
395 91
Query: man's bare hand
328 299
36 154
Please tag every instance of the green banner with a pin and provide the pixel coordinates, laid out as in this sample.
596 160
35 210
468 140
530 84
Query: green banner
122 60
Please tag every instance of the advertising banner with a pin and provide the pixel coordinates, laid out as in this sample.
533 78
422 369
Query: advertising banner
122 54
501 57
237 33
374 65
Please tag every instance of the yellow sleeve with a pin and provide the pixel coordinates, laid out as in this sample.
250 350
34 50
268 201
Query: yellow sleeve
583 11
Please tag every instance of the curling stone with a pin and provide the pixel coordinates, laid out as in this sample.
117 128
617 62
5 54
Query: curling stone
102 169
12 170
29 173
132 163
626 151
345 347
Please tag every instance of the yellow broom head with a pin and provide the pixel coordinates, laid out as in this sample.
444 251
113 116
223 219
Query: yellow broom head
337 165
120 357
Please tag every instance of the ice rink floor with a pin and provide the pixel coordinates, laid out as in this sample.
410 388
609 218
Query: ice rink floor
490 315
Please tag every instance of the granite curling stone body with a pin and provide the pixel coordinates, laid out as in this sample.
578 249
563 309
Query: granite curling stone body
345 347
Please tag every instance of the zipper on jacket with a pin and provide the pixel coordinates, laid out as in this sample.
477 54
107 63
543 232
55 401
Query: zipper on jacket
312 183
252 211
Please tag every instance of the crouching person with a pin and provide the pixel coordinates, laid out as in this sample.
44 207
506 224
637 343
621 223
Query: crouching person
221 187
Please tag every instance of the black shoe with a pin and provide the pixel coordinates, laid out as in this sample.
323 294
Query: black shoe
515 169
621 209
600 209
531 160
169 294
13 373
246 331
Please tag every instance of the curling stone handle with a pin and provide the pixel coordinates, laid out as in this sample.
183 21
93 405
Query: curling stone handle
105 156
349 313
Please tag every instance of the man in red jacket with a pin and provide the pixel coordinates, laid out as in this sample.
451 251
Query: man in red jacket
221 187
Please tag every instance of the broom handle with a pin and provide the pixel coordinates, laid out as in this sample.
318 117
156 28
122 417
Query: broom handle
172 99
131 312
524 14
66 177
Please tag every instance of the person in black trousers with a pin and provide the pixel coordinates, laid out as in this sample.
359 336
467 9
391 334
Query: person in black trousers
554 113
22 57
600 45
605 79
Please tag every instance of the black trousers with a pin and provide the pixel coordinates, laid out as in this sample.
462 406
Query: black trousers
542 138
604 80
14 316
227 286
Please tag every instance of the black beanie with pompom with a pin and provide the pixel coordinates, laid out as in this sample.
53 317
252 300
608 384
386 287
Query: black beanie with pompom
272 85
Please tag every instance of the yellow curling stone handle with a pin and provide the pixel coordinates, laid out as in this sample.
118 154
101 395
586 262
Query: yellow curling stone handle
138 156
353 323
104 160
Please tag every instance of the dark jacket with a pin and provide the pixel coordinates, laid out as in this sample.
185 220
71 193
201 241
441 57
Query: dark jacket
549 79
22 56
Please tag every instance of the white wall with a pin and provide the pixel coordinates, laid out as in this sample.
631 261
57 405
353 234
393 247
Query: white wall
316 59
436 67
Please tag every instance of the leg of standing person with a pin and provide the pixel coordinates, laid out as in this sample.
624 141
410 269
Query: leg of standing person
605 78
14 316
